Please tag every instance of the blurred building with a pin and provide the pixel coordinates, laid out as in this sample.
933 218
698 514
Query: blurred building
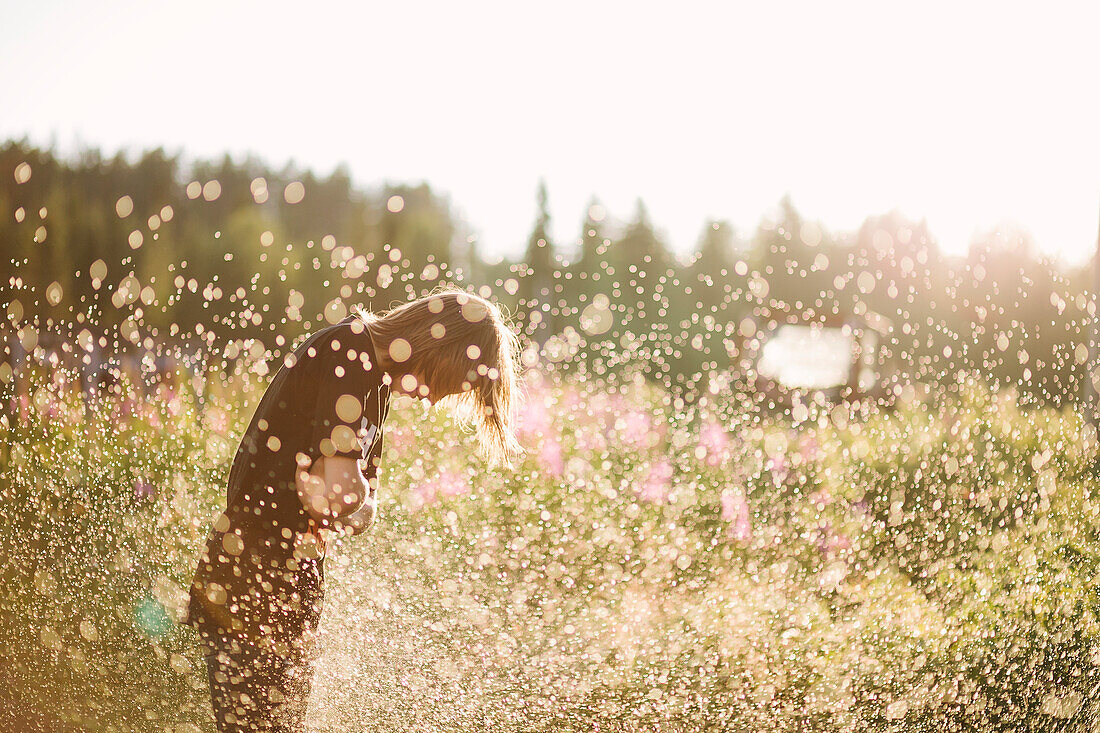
843 357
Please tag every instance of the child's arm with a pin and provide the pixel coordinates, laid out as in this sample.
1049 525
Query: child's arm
331 488
363 517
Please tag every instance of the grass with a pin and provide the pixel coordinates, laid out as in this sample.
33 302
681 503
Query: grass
648 566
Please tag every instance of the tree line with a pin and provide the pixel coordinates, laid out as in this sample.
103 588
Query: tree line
157 250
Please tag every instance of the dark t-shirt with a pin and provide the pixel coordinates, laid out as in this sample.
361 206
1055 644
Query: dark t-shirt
261 574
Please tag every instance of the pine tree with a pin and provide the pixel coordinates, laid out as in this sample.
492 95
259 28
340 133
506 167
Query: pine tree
537 286
641 247
589 270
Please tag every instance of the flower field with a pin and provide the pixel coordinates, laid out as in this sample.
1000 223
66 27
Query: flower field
649 565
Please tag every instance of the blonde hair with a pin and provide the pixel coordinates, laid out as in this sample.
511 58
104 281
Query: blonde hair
465 351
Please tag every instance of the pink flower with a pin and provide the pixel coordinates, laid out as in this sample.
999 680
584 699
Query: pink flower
424 494
168 395
453 483
24 404
658 481
550 458
599 407
810 449
533 419
714 440
217 420
591 439
447 483
830 542
571 398
635 429
735 510
399 439
144 490
777 464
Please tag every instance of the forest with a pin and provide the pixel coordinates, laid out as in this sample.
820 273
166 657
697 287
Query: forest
157 250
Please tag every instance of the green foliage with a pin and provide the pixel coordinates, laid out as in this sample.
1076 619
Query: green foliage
648 565
221 252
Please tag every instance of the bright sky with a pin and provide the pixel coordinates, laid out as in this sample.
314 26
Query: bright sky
967 114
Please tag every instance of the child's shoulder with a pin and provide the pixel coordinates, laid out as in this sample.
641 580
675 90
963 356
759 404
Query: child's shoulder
347 340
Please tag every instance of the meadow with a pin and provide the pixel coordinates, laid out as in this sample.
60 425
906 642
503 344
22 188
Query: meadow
808 473
650 564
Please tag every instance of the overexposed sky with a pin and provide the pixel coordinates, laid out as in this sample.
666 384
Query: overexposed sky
967 114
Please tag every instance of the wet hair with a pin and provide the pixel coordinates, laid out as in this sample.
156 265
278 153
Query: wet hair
463 348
